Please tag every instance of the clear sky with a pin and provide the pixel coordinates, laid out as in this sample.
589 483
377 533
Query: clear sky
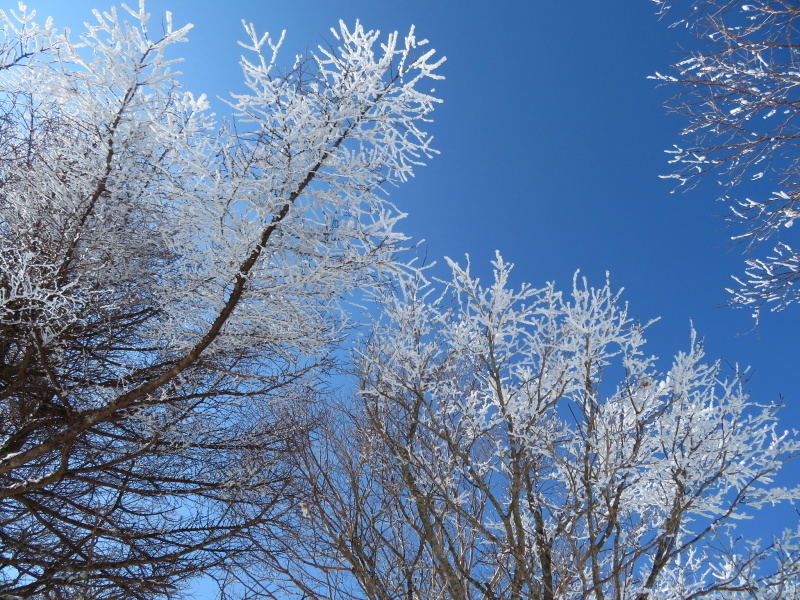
552 139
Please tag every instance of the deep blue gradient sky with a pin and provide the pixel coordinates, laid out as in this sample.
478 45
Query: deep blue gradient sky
552 139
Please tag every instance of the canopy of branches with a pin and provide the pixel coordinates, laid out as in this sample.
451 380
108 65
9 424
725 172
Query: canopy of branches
170 285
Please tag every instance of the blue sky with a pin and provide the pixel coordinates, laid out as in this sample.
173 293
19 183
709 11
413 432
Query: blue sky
552 139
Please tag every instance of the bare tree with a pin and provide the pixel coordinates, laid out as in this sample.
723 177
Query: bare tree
510 444
740 92
170 289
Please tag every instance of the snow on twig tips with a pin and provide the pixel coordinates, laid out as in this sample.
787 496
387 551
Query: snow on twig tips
172 286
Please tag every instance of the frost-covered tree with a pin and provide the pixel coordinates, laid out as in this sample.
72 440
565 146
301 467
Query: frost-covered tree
521 443
170 287
739 89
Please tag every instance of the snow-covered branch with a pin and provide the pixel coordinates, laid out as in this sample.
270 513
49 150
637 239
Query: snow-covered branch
171 285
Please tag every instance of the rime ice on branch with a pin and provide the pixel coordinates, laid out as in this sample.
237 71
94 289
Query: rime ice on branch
738 89
521 443
170 284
